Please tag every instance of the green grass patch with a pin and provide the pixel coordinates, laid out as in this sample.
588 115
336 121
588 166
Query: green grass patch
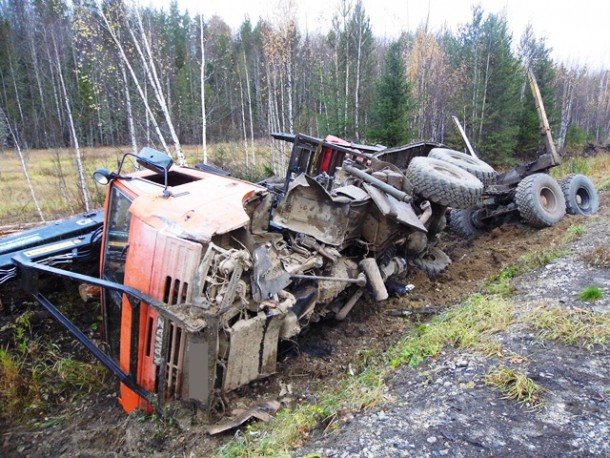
516 385
574 232
571 327
576 164
591 294
501 284
471 325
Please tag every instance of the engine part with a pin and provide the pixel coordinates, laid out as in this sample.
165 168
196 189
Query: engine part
349 305
375 280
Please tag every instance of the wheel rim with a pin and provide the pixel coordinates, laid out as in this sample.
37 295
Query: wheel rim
583 199
548 200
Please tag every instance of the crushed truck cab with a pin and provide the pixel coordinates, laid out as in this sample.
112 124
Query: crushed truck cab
202 275
169 247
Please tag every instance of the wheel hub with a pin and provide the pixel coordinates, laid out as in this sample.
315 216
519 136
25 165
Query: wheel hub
548 199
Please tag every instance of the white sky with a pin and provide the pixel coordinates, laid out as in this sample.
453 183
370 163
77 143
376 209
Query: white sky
576 30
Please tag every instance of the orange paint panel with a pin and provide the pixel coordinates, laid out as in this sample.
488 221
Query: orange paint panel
162 266
142 241
200 209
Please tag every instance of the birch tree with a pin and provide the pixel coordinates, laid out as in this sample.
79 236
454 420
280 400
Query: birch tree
204 119
150 115
150 68
82 184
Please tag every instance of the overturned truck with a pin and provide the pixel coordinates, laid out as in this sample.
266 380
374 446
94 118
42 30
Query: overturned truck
202 275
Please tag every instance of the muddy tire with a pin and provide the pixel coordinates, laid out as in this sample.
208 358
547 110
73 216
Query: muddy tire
580 195
540 200
433 262
461 222
482 170
444 183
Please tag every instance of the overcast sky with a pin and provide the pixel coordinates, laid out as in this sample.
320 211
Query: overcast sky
577 31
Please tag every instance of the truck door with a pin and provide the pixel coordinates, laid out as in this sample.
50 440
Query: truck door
113 264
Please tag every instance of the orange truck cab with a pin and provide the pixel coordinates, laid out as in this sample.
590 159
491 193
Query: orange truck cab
160 237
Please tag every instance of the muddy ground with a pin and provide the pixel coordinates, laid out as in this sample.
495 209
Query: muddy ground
438 409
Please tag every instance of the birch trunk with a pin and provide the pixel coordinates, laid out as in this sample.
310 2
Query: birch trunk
143 96
151 72
289 90
130 124
243 124
249 93
204 120
79 161
566 112
357 89
17 98
484 96
54 83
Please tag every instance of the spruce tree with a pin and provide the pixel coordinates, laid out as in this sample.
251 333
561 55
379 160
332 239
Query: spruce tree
392 103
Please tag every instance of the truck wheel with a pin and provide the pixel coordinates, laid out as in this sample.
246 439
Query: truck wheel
580 195
540 200
462 223
433 262
482 170
444 183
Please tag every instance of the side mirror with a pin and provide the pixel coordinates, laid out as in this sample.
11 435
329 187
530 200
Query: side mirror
154 160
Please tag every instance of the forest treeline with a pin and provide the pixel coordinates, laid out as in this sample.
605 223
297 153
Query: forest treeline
110 73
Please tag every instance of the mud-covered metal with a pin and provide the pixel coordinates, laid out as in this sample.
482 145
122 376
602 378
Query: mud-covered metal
232 268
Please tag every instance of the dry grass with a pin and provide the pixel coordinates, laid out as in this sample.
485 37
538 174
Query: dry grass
516 385
571 327
597 168
54 177
598 257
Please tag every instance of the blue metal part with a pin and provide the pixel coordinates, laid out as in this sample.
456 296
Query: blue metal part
29 272
79 236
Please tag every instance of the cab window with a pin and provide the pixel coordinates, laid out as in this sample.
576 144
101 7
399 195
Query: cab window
113 266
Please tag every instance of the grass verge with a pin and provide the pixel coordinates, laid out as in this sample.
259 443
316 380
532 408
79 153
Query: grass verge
36 375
